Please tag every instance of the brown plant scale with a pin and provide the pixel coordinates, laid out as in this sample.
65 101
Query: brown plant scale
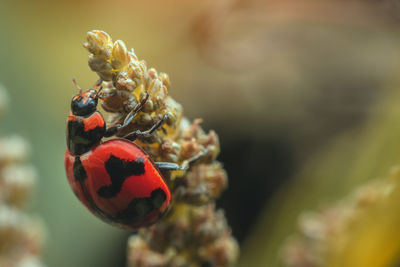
193 232
21 235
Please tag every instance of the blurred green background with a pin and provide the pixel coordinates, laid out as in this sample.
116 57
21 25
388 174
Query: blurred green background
302 94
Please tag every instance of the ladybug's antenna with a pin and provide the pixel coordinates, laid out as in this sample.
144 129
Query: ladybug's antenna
76 85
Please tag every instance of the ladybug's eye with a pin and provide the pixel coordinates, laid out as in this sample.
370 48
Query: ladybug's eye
83 105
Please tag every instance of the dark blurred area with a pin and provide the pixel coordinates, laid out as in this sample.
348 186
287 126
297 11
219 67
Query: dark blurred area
256 169
279 81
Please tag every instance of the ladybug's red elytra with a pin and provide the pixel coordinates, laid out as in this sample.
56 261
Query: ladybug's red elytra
116 180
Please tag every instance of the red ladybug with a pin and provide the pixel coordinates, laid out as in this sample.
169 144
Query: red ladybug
116 180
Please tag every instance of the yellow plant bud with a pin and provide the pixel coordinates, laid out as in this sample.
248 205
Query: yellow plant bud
120 56
165 79
103 37
157 91
152 73
98 43
133 55
136 72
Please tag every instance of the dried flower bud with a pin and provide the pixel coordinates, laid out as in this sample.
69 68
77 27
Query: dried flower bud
189 149
123 82
202 184
223 252
136 70
140 255
174 111
158 92
194 130
211 141
207 224
98 42
98 64
179 233
169 150
215 177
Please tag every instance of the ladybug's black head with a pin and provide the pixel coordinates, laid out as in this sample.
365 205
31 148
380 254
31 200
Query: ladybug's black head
84 104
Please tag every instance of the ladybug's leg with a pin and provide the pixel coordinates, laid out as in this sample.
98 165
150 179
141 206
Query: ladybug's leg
97 84
134 135
103 95
114 129
170 166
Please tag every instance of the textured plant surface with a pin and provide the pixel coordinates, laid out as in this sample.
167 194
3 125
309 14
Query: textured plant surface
361 230
20 234
193 232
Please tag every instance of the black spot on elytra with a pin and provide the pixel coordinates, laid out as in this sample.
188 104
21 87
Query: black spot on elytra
80 141
119 170
138 208
79 171
80 176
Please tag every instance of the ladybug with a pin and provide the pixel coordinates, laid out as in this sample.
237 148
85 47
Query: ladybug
116 180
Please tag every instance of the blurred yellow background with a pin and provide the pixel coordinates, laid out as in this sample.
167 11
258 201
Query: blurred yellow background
303 94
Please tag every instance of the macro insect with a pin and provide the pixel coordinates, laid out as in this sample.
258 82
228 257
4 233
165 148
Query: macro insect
116 179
